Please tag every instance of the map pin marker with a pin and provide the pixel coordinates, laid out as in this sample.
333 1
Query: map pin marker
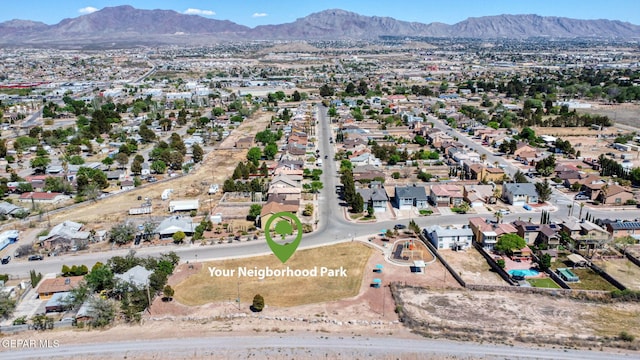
283 228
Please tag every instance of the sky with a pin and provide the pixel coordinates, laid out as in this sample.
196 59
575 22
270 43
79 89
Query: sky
261 12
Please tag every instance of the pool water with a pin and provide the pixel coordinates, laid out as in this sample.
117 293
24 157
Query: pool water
524 272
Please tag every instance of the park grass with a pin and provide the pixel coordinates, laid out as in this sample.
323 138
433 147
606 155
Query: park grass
201 288
589 280
543 283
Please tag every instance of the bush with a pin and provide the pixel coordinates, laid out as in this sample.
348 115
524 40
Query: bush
625 336
501 263
258 303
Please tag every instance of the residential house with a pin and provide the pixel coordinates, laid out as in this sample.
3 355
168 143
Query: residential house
519 193
614 194
287 193
538 233
365 159
408 196
446 195
623 228
488 233
43 197
376 196
137 276
173 224
276 206
64 236
282 180
127 185
449 237
474 171
478 195
244 143
57 302
48 287
367 172
11 209
590 236
492 174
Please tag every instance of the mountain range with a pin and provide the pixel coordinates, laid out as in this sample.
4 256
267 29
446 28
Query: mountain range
127 26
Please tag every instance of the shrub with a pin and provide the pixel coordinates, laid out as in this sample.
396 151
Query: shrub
625 336
258 303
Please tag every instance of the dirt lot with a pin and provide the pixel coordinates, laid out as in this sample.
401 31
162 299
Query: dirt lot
215 168
472 267
625 114
494 315
622 270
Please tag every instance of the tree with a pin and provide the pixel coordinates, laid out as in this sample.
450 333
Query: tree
326 90
7 305
296 96
39 164
254 212
519 177
197 153
270 151
358 204
168 292
509 242
545 262
100 278
103 311
108 161
122 159
254 154
122 233
544 191
258 303
136 167
159 167
178 237
499 216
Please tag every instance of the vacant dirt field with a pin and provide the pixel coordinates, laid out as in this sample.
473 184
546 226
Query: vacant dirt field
625 114
532 317
622 270
472 267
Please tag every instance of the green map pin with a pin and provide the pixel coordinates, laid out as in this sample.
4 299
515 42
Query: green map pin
283 228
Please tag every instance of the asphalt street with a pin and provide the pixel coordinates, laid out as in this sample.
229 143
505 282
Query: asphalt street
290 346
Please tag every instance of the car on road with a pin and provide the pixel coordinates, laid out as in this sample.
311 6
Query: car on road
400 226
581 197
35 257
326 156
6 259
504 211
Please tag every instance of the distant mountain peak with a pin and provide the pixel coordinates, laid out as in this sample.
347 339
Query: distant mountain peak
126 24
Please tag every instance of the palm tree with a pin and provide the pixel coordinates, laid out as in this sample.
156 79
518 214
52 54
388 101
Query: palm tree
498 216
581 206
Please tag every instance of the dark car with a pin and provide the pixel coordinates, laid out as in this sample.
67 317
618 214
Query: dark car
6 259
35 257
400 226
326 156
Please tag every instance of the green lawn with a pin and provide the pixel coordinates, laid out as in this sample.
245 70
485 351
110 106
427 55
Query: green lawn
543 283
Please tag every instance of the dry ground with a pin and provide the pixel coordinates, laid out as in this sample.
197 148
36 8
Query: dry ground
622 270
487 315
472 267
625 114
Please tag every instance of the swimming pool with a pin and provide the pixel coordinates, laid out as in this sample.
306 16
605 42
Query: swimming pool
524 272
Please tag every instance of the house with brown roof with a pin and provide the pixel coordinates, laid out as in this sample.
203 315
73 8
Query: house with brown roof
614 194
488 233
244 143
276 206
492 174
48 287
478 195
43 197
446 195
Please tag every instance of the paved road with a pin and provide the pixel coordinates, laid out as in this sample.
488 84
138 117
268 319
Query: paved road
292 346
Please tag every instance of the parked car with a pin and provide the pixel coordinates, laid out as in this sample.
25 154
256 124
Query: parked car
6 259
35 257
581 197
400 226
504 212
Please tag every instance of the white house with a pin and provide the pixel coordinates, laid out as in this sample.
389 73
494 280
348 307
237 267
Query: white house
449 237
